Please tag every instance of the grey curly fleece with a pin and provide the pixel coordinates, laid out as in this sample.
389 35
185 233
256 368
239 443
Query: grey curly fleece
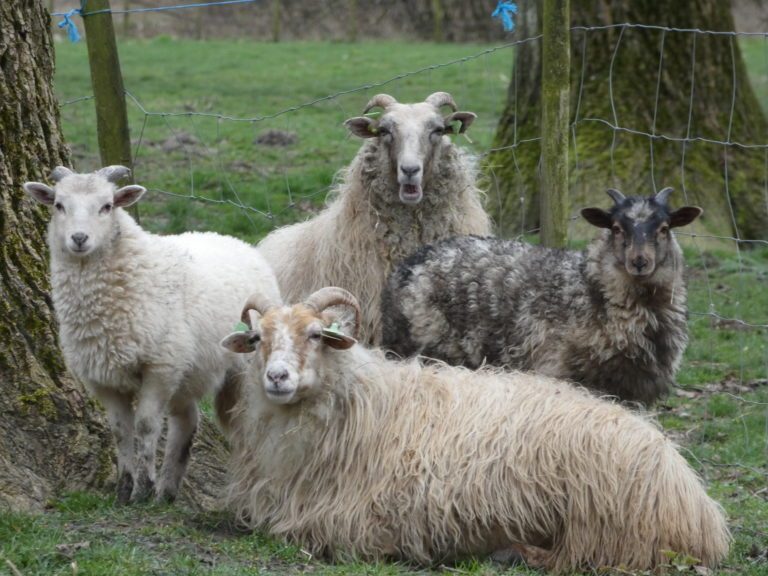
572 315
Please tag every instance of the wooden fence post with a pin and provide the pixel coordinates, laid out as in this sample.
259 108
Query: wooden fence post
107 83
353 22
555 112
276 20
437 21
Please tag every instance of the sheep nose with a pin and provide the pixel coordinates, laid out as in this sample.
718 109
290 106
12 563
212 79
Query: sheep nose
79 238
410 171
277 375
640 262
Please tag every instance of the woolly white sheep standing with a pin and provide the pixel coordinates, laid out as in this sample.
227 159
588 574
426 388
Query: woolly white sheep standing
140 317
407 186
351 455
612 317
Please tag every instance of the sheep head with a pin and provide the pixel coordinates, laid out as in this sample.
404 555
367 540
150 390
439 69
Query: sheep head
83 207
640 229
412 136
290 341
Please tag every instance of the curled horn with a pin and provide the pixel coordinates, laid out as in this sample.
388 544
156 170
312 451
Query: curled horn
440 99
617 196
380 100
114 173
663 195
60 172
332 296
258 302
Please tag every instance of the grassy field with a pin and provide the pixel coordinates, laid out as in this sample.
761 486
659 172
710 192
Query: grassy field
719 416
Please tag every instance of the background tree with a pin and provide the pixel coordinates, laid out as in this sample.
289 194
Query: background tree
618 75
52 436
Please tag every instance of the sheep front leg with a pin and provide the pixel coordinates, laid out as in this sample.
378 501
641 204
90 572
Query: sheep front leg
152 404
119 408
182 425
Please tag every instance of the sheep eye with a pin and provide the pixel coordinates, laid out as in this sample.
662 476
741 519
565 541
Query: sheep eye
384 131
664 229
254 338
106 209
616 229
59 206
438 131
315 336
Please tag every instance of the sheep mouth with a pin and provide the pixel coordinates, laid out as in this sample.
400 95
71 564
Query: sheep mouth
79 251
410 193
280 396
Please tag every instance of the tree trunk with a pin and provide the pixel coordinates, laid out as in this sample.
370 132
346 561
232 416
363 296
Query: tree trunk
52 436
617 77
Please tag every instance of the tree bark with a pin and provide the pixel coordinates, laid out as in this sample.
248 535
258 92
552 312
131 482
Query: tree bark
619 78
52 436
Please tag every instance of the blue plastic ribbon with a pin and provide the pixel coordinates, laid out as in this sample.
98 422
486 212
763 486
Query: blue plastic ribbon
68 23
504 12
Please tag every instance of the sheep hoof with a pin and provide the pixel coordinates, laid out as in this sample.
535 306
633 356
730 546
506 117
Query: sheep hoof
166 494
124 488
143 489
516 554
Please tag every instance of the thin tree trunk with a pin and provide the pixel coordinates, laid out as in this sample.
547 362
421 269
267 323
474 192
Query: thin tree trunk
619 80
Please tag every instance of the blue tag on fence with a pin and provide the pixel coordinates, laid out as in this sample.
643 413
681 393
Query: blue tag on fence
68 23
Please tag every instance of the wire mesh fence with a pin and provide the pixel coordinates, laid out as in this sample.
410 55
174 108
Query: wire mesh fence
228 147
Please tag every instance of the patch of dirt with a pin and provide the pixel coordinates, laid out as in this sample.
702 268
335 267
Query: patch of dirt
728 386
276 138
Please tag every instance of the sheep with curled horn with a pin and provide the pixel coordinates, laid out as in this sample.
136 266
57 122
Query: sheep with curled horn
408 185
612 317
353 456
140 316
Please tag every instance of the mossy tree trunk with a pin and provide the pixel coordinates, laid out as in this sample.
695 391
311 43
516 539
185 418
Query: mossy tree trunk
52 436
681 85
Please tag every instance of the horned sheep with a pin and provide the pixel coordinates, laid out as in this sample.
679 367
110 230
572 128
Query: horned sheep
407 186
351 455
612 318
140 317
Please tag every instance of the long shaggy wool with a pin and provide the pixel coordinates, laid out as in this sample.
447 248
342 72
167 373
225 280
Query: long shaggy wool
367 230
567 314
429 464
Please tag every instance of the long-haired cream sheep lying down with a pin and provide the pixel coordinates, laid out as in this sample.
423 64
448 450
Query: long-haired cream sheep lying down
352 455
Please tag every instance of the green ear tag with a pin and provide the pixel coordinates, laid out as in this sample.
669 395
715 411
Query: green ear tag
241 327
335 338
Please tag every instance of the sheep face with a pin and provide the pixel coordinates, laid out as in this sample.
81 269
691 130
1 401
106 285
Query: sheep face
411 136
291 342
640 229
82 207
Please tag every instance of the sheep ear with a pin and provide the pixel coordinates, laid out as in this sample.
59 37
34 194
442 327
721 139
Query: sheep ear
597 217
333 335
362 126
242 342
128 195
684 215
337 340
40 192
466 119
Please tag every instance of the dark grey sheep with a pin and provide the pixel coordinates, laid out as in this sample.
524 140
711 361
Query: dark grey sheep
611 317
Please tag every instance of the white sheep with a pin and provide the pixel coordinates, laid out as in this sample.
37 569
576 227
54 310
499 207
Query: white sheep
407 186
352 455
612 317
140 317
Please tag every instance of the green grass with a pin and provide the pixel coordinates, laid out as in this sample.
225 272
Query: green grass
252 80
720 417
